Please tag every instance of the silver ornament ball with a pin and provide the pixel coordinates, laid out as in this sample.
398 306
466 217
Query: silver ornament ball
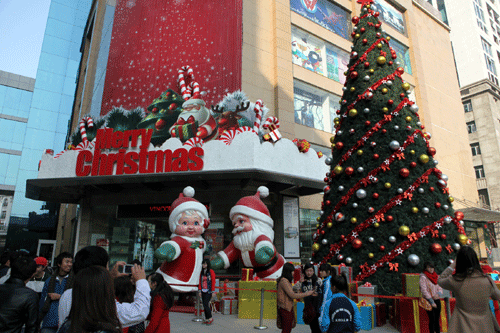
400 190
340 188
371 239
348 260
447 220
396 127
461 223
425 210
344 88
366 110
413 259
389 83
421 190
436 162
324 241
445 207
414 108
361 194
354 205
367 78
394 145
392 239
444 177
456 246
328 160
419 123
339 132
360 169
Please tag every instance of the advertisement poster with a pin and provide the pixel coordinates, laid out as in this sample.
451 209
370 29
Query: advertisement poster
403 54
152 39
336 64
214 239
104 243
306 53
291 227
144 244
390 15
324 13
308 108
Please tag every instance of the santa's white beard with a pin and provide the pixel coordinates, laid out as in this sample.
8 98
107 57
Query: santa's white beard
245 240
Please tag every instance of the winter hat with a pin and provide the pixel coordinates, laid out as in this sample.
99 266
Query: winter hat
41 261
185 202
253 207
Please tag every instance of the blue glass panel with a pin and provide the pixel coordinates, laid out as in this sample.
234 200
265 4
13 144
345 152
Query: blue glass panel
13 166
74 50
62 12
7 131
62 123
81 18
10 181
12 98
2 178
59 29
20 131
10 112
4 162
69 3
49 81
69 86
30 159
83 5
55 45
72 69
42 119
25 103
16 146
66 104
21 206
52 63
59 142
3 90
46 100
38 139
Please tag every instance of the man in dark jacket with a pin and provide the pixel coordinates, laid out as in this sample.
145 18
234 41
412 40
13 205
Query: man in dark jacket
19 304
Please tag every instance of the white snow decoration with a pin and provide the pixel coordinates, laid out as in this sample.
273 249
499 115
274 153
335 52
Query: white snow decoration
263 191
188 192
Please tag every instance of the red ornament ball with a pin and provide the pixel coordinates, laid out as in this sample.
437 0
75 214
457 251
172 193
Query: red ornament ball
349 171
342 237
390 102
367 123
376 14
443 236
172 107
375 195
160 124
437 205
367 64
389 218
357 243
355 20
353 75
328 202
362 30
365 41
326 179
322 232
377 26
154 110
402 95
339 145
390 62
431 189
353 34
400 70
431 151
436 248
404 172
375 156
381 248
413 164
378 34
384 131
459 215
168 93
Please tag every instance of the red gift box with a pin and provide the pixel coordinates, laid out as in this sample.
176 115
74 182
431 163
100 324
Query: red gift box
381 314
414 319
353 289
247 274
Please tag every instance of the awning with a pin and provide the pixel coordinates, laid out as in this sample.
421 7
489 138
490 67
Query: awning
72 190
475 214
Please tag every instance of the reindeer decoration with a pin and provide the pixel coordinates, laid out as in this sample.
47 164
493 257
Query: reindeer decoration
228 120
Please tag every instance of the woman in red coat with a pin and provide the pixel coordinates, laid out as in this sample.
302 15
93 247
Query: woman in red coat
162 299
207 289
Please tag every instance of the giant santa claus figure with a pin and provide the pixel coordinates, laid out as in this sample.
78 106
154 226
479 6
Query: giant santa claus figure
183 253
253 238
195 120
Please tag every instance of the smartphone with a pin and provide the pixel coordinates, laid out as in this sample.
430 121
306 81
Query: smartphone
127 269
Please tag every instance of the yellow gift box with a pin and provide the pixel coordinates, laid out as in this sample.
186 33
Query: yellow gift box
249 300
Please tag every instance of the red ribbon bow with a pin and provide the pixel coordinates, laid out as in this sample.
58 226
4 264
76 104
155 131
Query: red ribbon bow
449 249
367 284
435 234
342 265
393 267
412 236
181 121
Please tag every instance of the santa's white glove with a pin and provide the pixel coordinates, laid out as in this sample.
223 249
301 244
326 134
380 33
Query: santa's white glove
264 255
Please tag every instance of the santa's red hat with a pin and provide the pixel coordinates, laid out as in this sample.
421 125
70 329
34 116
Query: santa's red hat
185 202
194 100
253 207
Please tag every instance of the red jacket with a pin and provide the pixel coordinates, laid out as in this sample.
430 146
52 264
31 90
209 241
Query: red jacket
212 279
160 322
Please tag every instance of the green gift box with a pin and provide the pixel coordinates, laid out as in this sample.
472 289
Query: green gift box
411 285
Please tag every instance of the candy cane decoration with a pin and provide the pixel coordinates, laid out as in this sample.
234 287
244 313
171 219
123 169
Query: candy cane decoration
194 142
271 123
194 88
83 131
186 90
258 115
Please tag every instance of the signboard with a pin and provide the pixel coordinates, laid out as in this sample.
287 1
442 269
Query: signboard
291 227
153 211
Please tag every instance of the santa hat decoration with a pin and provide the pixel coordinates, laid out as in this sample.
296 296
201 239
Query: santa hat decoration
195 98
253 207
185 202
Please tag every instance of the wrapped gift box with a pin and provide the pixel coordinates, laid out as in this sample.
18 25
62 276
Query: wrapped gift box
367 316
231 288
495 309
367 291
353 289
414 319
249 300
300 312
494 276
247 274
411 285
229 305
380 313
297 272
347 272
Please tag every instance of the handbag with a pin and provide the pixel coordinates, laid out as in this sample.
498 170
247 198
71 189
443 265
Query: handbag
309 313
423 303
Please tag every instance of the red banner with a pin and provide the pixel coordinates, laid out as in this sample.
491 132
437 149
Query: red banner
152 39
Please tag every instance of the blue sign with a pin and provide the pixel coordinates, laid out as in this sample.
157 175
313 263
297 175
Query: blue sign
324 13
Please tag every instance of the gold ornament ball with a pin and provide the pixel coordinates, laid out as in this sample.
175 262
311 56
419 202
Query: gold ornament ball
414 210
315 247
357 36
352 89
336 121
423 158
412 152
406 86
329 225
371 71
353 113
408 119
381 60
338 170
376 224
387 185
371 255
368 6
379 45
385 90
385 109
345 73
388 38
451 199
317 225
354 220
318 218
332 139
359 152
462 239
404 230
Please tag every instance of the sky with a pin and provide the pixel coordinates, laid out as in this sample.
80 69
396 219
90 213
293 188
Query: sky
22 26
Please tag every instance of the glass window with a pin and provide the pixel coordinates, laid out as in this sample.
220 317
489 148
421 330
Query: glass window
403 54
467 106
486 47
49 81
390 15
471 127
59 29
318 56
314 107
308 221
3 215
479 170
324 13
46 100
476 150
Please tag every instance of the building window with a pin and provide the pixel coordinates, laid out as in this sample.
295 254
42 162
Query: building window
476 150
480 16
468 106
471 127
324 13
484 198
3 215
314 107
6 202
403 55
479 171
390 15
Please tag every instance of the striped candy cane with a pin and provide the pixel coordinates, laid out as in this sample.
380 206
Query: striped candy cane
258 115
83 132
271 123
181 81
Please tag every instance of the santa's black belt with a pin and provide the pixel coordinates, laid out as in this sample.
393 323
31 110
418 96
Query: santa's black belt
266 267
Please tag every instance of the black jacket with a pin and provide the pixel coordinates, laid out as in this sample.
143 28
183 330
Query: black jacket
18 306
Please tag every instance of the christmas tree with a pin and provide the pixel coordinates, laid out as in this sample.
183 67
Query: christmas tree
386 207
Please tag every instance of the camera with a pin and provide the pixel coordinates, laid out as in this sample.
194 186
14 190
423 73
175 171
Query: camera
127 269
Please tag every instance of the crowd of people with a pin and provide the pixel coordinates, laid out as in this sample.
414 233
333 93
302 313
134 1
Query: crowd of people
37 298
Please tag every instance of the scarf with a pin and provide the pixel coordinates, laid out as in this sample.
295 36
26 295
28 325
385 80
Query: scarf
432 277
